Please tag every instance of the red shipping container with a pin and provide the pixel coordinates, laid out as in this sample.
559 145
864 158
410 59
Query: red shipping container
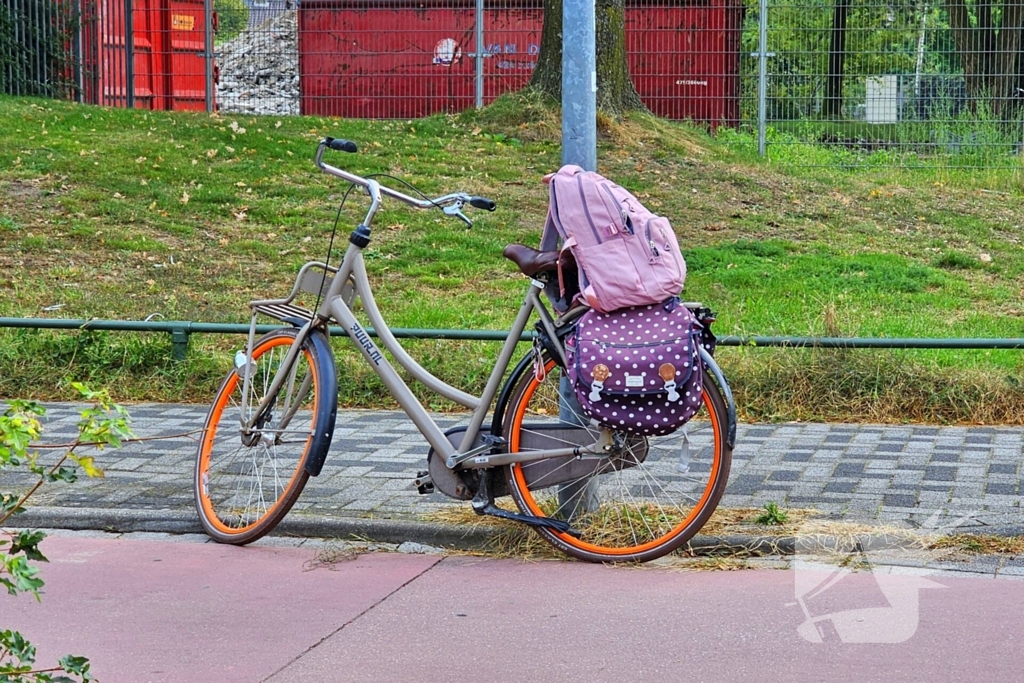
403 60
168 44
185 63
685 59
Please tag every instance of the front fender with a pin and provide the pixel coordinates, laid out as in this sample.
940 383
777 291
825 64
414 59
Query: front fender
327 380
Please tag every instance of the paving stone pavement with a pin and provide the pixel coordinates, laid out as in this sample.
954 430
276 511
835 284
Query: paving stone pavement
919 476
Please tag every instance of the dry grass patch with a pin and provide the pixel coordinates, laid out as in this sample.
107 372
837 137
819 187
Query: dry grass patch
513 539
980 544
867 385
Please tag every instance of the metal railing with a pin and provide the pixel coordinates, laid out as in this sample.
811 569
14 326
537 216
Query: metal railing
182 330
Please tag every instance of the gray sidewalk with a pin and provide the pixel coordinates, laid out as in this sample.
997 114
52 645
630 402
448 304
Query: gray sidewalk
918 476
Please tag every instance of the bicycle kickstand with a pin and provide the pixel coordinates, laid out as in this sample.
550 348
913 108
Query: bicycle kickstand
483 504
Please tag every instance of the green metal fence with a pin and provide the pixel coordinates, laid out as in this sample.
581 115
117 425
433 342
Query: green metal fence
182 330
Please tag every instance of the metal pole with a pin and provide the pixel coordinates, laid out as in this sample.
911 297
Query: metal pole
479 58
16 58
208 48
97 37
5 59
579 84
79 81
34 32
129 55
762 78
579 146
41 28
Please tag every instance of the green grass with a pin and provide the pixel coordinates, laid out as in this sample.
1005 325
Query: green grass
122 214
967 144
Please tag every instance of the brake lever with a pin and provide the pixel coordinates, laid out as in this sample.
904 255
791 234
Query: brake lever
455 209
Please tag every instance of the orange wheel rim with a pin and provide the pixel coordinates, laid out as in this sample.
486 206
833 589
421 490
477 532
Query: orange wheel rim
520 479
211 432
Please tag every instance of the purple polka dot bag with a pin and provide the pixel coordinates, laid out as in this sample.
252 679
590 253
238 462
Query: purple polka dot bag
637 369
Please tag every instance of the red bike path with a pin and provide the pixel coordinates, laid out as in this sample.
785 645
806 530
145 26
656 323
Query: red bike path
157 610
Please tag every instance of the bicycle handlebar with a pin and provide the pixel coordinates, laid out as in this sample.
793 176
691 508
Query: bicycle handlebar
483 203
451 203
341 145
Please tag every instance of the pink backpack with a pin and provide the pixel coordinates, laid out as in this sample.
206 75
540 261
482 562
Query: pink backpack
627 256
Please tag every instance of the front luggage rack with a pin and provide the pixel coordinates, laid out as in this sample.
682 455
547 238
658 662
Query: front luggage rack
315 278
286 313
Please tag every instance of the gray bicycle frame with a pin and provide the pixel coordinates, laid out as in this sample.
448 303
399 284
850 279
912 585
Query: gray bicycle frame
351 278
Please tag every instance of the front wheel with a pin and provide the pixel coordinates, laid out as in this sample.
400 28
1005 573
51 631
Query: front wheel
645 499
246 480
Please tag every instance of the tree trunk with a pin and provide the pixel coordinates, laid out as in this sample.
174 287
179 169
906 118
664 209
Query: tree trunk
1008 48
615 91
989 54
1019 70
836 57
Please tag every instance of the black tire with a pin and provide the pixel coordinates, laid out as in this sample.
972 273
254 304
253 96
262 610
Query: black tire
245 484
640 504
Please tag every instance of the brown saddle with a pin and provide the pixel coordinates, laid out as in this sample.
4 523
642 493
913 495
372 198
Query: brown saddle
533 261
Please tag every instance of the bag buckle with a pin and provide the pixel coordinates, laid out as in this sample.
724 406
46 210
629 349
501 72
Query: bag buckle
540 372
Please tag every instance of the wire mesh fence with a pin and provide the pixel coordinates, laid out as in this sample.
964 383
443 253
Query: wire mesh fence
905 81
39 51
82 50
897 81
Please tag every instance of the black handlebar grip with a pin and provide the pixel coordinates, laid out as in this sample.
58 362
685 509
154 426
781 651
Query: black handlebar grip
341 145
483 203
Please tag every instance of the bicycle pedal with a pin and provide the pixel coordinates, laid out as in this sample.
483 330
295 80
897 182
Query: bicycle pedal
423 483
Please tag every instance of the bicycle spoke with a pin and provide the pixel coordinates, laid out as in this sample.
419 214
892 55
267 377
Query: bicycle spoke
645 506
246 478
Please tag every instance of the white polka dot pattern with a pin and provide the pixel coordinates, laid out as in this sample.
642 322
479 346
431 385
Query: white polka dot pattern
637 369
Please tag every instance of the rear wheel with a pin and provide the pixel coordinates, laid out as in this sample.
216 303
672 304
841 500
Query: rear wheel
644 499
247 481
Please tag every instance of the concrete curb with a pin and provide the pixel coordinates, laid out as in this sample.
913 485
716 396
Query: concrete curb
377 530
180 522
108 519
439 535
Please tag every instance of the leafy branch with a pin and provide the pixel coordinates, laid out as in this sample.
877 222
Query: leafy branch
103 424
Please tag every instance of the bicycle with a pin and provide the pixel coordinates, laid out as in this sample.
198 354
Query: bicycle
595 494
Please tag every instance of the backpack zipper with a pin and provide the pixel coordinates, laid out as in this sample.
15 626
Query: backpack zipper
655 254
627 222
605 345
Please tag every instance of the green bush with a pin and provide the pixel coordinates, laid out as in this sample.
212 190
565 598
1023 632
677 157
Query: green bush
103 424
232 17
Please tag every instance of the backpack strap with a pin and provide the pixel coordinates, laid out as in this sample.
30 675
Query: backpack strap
553 231
549 238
